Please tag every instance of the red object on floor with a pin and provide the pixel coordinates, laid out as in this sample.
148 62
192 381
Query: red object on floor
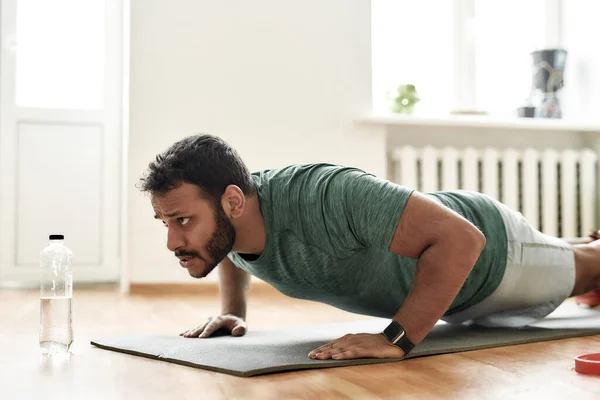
591 299
588 363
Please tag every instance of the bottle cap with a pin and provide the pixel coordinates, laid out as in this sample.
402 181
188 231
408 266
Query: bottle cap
588 363
57 237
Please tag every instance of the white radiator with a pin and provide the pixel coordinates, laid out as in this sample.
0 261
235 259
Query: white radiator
554 189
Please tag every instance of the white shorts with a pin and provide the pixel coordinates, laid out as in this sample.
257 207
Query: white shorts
539 276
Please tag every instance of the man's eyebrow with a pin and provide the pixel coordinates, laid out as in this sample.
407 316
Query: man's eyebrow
169 215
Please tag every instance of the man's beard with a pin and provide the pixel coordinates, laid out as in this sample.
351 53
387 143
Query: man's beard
221 241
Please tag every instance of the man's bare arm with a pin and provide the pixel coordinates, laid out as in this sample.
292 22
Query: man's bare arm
234 284
447 246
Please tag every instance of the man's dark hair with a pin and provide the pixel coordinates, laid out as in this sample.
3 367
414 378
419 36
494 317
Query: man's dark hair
203 160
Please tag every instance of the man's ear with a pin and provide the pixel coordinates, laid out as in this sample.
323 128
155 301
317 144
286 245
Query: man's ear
233 201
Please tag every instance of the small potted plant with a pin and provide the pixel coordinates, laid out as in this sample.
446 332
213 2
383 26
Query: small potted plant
403 102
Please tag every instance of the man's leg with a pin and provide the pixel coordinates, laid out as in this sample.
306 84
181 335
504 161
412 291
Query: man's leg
587 274
590 299
541 272
538 281
583 240
594 235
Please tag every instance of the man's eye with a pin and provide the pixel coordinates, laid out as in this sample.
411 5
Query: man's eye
183 220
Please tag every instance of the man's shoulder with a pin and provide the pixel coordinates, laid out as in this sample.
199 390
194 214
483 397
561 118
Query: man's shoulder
301 170
300 167
307 168
306 183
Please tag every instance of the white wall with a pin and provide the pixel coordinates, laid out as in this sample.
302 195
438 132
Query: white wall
282 81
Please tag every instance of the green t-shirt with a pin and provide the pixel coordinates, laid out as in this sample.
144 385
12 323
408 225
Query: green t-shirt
329 230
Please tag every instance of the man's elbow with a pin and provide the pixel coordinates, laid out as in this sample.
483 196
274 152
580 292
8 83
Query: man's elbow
474 238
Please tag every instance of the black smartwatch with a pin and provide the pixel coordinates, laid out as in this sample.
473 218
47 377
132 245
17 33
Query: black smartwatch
396 335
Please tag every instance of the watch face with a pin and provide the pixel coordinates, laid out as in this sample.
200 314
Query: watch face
397 336
394 332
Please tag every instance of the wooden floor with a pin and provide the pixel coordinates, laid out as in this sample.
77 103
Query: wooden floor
539 370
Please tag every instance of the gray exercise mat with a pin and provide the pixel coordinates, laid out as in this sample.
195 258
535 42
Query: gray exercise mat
277 350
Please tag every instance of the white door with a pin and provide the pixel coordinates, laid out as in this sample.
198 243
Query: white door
60 135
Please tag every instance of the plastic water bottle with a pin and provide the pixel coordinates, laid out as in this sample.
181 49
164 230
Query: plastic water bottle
56 284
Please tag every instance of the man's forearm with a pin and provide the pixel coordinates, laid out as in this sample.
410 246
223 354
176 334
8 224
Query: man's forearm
441 271
234 284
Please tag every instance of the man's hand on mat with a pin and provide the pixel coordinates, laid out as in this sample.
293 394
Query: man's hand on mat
362 345
236 326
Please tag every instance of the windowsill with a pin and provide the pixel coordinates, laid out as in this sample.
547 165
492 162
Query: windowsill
468 121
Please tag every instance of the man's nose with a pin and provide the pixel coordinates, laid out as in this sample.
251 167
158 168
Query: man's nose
174 239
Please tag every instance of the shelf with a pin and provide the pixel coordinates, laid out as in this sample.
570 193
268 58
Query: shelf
460 121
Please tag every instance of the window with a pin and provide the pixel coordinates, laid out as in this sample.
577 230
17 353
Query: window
413 45
504 35
60 54
461 54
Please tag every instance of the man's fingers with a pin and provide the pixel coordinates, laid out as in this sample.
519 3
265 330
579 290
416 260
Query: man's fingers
210 328
347 354
324 347
341 353
195 332
239 330
236 326
213 326
335 344
330 353
321 348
